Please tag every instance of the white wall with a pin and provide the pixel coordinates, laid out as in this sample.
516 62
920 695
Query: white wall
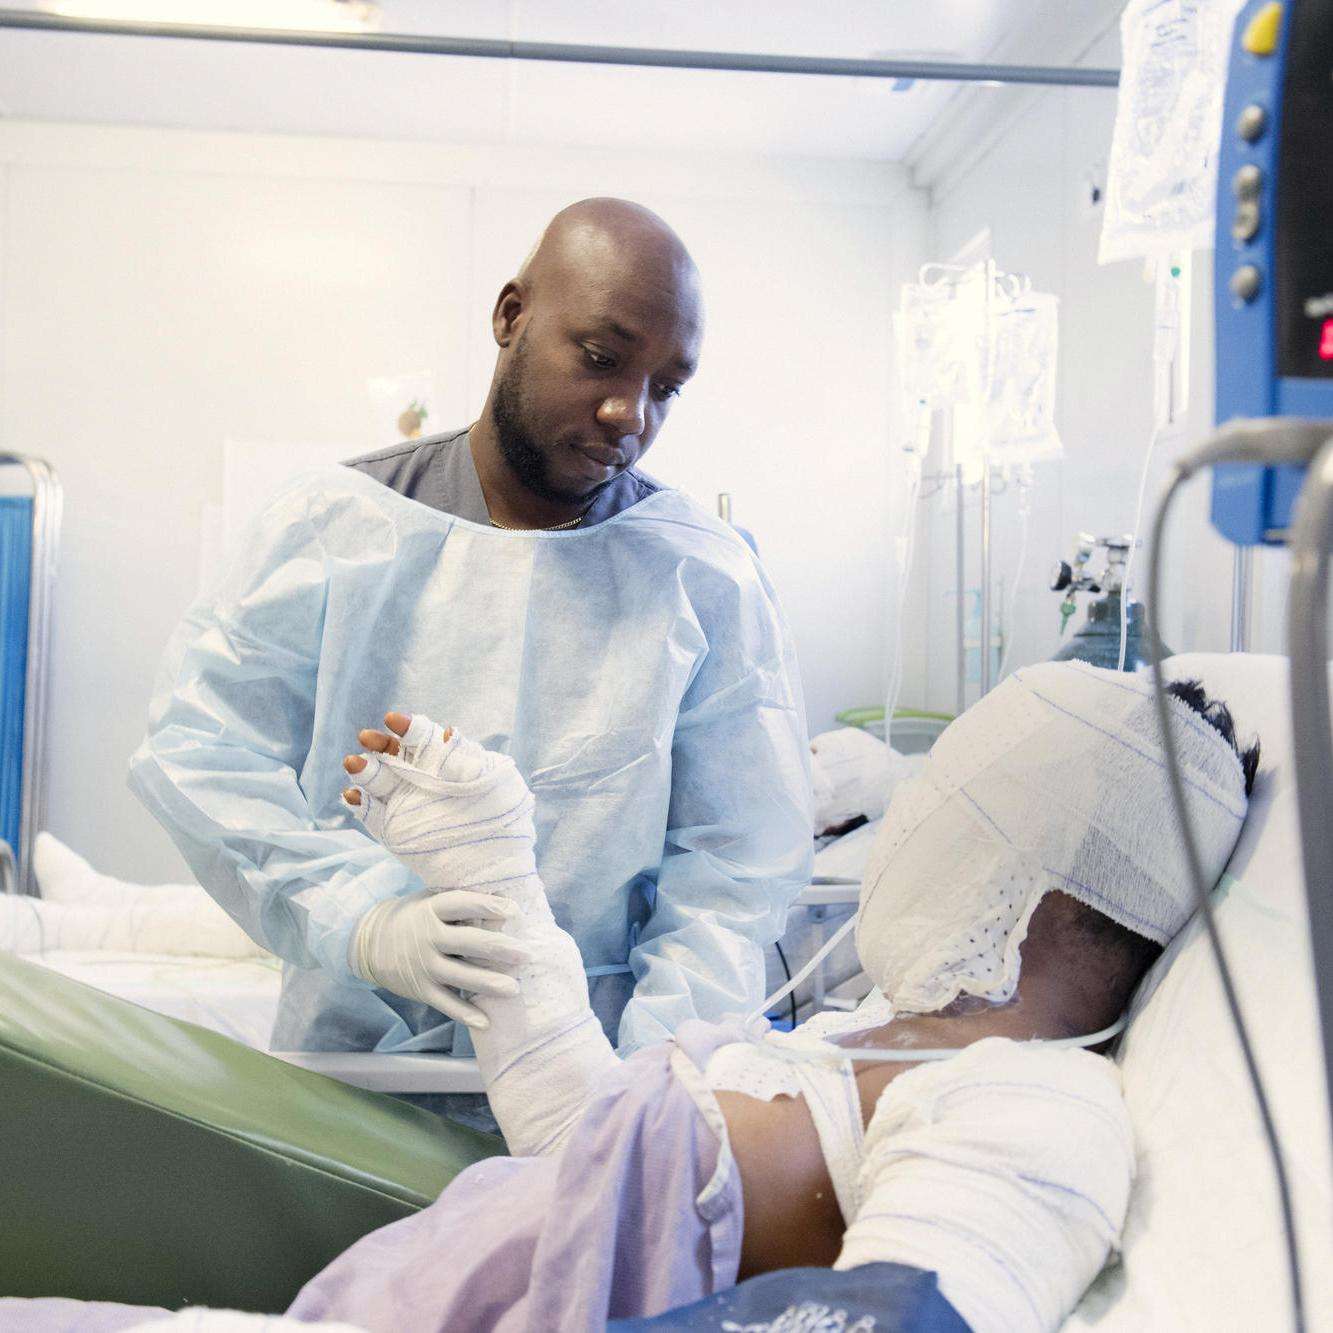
1030 188
163 292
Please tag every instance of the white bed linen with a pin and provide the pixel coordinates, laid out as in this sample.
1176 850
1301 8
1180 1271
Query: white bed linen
1202 1247
235 996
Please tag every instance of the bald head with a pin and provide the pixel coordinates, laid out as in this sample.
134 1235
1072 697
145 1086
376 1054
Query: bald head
595 234
598 332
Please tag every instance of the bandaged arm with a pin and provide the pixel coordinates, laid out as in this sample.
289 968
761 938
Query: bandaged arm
1006 1171
738 846
544 1056
462 817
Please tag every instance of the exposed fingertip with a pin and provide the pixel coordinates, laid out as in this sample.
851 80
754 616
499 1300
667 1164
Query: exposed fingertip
397 722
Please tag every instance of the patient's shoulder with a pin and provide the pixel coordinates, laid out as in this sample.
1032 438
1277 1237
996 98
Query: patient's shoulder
1017 1091
998 1065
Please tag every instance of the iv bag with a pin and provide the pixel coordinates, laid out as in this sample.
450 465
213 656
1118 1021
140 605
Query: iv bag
940 330
1019 424
981 347
1162 185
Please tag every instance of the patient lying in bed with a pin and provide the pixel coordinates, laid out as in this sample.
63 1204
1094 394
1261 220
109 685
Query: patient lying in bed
1019 890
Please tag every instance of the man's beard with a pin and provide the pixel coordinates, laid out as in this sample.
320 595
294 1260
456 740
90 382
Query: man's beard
517 444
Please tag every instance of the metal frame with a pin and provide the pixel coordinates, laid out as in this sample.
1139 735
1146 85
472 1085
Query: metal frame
1312 721
47 504
380 1072
826 895
494 48
1242 595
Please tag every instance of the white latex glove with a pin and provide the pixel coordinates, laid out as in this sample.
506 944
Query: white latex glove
461 817
425 944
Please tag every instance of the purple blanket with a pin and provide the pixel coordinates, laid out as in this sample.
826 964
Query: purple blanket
633 1218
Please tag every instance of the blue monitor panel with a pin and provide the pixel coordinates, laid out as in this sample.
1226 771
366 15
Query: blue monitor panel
1273 264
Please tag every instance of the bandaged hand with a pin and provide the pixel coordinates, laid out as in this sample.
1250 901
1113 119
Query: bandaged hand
457 814
462 818
432 799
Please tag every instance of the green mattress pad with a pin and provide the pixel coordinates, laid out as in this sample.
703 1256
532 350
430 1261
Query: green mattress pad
150 1161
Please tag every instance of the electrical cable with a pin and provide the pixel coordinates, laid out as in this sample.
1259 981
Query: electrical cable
1181 474
782 958
907 1055
1308 613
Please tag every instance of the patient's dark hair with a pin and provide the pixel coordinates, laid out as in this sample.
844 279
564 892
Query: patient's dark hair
1127 953
1218 716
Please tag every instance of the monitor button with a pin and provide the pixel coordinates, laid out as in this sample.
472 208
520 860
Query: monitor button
1246 283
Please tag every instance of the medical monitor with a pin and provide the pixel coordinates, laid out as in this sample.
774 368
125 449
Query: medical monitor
1273 263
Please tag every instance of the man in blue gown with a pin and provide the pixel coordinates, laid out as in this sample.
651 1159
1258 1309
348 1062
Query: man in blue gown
523 579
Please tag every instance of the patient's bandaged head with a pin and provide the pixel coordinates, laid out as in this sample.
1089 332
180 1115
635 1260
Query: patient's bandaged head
1055 780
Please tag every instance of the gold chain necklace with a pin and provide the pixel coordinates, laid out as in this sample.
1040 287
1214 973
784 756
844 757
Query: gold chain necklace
554 527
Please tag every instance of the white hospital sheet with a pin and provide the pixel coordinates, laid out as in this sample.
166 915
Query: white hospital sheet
235 996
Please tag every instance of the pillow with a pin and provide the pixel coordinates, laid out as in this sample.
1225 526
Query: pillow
1203 1242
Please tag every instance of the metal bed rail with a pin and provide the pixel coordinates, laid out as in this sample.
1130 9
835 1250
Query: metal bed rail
47 506
380 1072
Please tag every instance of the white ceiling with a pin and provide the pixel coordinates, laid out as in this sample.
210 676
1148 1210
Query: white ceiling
219 86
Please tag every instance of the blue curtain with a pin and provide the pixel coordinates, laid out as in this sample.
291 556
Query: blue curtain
15 577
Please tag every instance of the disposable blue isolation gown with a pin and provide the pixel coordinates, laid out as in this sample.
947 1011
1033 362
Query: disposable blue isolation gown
639 672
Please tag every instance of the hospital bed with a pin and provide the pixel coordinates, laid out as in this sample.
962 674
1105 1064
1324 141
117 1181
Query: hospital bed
238 995
1203 1244
281 1145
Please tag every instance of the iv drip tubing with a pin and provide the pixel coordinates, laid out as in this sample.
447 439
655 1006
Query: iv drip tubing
906 1055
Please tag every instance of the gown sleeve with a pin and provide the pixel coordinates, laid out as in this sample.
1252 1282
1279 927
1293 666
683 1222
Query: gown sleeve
230 728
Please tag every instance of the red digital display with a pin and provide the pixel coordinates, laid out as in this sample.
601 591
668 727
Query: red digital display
1326 341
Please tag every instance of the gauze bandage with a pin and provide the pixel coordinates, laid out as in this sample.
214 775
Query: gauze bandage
1005 1171
457 814
1055 780
461 817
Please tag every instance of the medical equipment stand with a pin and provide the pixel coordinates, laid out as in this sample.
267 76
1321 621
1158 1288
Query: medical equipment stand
985 635
1242 594
985 629
960 579
1273 280
1272 461
47 503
